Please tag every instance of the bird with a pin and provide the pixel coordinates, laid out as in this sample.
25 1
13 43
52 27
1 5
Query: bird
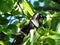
31 24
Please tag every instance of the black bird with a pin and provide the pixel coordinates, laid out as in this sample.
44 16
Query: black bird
31 24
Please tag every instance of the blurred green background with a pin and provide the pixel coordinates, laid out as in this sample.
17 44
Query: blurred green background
15 13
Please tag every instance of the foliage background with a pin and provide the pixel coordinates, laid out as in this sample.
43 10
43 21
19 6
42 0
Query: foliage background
15 13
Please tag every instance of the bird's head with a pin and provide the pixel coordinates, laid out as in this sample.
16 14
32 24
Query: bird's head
38 16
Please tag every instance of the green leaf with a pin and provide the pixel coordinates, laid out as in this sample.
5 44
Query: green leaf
2 36
57 42
57 36
52 32
49 41
15 12
26 40
0 28
10 29
6 5
1 42
49 23
36 36
27 7
41 0
47 2
3 21
36 3
54 23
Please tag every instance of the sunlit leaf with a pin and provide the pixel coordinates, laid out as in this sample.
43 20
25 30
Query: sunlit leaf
57 36
1 43
27 8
